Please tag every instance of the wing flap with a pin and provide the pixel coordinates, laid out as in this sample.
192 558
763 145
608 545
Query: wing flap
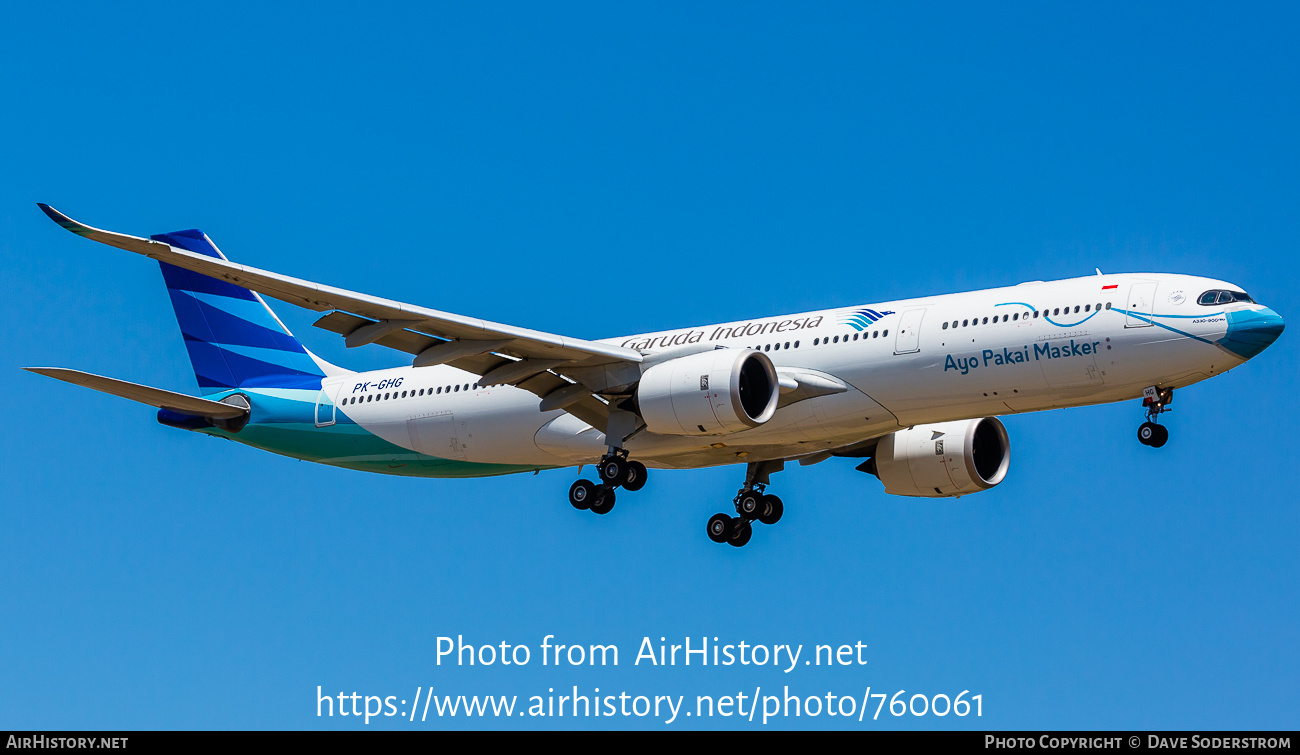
408 341
589 409
178 402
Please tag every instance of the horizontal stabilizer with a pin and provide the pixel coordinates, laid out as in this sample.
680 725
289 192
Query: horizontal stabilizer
178 402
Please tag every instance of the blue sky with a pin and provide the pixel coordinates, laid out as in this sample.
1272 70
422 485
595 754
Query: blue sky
594 171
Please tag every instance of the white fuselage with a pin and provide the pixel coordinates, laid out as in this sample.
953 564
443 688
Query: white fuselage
984 353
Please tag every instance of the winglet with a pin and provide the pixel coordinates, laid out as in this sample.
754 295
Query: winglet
135 244
60 218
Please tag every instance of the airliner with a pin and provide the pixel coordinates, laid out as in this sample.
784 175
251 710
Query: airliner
913 388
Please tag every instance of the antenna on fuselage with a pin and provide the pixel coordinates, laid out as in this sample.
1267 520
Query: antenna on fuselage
1098 270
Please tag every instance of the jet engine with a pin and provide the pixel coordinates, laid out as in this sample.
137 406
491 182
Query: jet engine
944 460
709 393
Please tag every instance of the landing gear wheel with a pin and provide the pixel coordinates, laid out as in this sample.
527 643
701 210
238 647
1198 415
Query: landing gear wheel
581 494
719 528
613 471
636 476
740 533
772 510
1156 401
603 501
750 504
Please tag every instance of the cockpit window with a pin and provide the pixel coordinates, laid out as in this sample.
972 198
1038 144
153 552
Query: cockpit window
1210 298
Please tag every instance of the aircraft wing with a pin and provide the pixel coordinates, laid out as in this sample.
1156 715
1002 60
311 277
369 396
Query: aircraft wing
500 354
144 394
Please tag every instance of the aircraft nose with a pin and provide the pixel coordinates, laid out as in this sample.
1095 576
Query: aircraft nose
1250 332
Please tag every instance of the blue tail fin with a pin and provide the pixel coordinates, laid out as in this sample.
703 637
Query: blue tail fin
233 338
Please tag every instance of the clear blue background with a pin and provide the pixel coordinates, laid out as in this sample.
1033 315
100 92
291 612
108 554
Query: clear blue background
594 171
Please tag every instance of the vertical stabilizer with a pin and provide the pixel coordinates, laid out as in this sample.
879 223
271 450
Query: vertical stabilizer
233 338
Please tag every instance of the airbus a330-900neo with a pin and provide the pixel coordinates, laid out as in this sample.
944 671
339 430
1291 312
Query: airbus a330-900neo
912 387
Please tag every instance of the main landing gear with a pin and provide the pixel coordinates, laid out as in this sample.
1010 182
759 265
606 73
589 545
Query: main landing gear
615 470
751 503
1157 401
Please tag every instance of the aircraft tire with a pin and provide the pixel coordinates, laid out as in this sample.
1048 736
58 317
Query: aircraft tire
740 533
636 476
603 502
719 528
581 494
613 471
772 510
750 504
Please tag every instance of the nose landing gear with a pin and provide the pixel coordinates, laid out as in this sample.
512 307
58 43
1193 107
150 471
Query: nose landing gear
1156 401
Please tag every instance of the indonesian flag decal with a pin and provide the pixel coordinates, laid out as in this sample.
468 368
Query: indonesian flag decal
1113 285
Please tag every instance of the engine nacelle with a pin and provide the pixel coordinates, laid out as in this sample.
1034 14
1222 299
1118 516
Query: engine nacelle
944 460
709 393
